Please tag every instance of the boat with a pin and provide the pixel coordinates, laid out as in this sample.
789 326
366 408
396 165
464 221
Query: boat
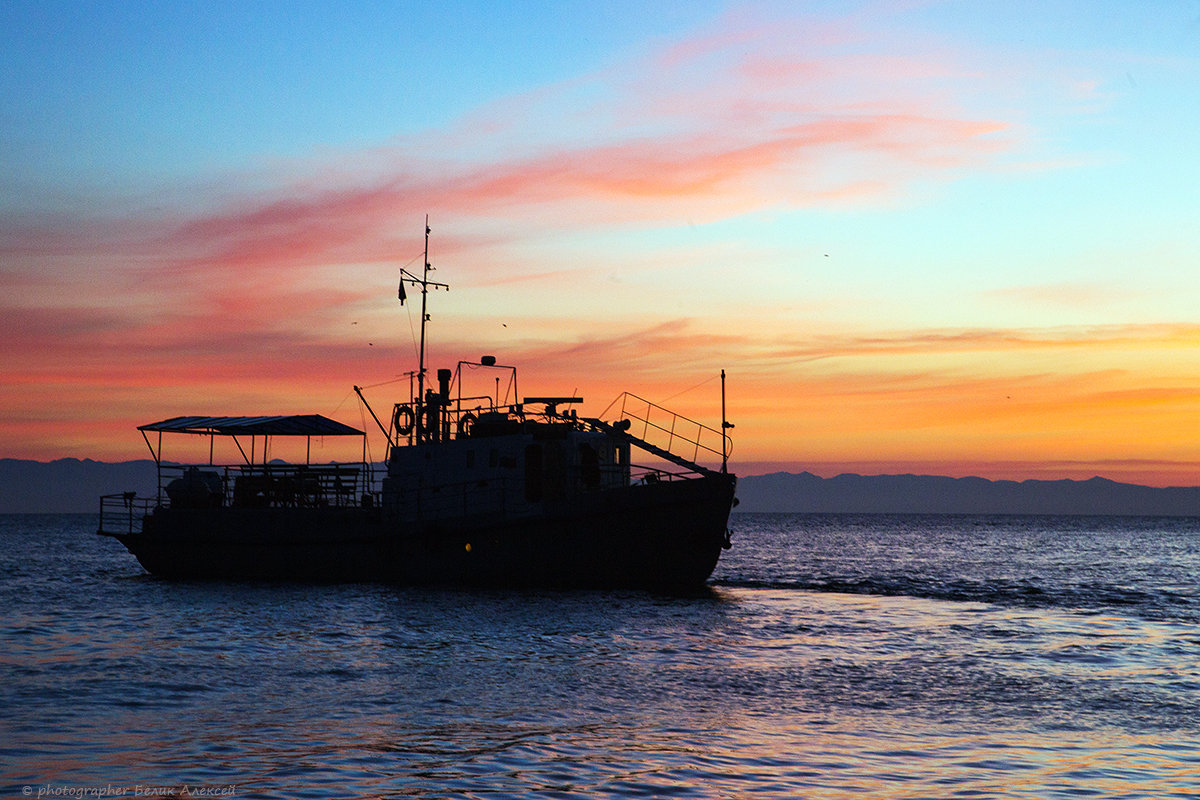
482 488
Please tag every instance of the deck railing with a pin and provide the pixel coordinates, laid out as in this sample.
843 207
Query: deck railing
667 430
296 485
122 513
244 486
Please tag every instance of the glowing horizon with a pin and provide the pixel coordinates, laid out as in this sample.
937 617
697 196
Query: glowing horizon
929 237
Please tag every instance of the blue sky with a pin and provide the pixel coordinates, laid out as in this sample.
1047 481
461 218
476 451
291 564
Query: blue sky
886 218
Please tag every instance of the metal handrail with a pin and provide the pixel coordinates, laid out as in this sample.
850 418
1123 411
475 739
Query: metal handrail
122 514
631 408
647 474
287 484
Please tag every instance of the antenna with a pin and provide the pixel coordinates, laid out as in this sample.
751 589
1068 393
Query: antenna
424 283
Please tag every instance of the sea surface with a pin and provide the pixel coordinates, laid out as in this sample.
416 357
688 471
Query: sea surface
833 657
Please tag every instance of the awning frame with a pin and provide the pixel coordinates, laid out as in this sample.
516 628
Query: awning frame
306 425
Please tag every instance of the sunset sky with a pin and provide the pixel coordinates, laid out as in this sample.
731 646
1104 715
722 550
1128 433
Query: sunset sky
955 238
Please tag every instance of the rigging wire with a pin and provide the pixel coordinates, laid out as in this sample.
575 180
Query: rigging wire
341 403
691 388
412 331
403 377
362 415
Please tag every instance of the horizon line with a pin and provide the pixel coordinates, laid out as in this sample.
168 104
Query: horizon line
1003 472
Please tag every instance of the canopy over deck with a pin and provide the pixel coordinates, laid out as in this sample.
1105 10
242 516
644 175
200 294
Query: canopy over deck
294 425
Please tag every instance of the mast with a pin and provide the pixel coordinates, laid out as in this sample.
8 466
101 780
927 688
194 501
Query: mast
424 319
726 425
424 283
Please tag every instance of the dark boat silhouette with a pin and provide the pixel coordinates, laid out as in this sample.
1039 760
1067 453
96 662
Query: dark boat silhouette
475 490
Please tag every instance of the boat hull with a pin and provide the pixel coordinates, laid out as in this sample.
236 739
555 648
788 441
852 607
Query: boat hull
668 534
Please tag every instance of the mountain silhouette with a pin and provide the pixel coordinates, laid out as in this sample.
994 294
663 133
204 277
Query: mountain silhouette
72 485
929 494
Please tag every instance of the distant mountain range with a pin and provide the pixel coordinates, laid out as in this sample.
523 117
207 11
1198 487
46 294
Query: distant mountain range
70 485
928 494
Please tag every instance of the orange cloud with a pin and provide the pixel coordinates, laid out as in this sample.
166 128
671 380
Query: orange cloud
245 301
1064 294
866 400
955 341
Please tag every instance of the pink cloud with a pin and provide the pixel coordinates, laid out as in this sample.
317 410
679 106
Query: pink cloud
617 179
241 300
747 114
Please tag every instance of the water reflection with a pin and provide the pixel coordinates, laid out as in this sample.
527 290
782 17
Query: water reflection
755 688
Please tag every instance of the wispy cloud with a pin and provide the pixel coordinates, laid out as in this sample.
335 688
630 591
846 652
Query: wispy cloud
752 113
783 352
1073 294
248 288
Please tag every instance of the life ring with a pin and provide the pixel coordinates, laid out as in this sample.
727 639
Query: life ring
465 423
403 420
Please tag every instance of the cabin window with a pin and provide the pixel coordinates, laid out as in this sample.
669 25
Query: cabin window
533 473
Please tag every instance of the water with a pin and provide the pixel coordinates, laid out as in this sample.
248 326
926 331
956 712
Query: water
835 656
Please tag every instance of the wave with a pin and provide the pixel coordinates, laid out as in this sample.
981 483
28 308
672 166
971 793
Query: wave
1154 603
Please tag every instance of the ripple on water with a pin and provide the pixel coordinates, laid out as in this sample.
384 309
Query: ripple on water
965 660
